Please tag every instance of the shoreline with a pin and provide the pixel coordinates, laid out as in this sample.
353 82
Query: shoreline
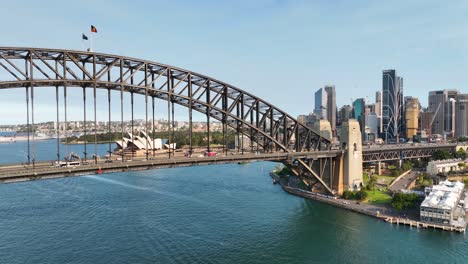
338 202
351 205
85 142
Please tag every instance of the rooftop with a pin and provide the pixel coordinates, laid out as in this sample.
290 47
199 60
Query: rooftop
444 195
444 162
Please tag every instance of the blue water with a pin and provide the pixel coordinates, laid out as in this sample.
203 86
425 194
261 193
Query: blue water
205 214
45 150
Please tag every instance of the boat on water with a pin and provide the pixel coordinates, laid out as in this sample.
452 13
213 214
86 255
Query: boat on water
243 162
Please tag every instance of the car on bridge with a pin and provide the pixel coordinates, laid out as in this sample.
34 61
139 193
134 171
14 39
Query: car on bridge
211 153
67 164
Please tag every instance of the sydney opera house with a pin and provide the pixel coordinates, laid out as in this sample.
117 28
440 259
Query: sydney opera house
140 141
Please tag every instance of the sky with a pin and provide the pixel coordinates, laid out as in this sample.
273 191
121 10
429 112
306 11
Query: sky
281 51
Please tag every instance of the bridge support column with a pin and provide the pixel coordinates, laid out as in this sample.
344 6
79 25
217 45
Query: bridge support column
379 168
338 175
352 145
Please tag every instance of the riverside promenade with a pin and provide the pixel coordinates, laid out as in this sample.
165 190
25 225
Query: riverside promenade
379 212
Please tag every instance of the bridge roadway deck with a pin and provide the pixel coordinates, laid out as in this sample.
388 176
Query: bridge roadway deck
396 147
45 170
377 153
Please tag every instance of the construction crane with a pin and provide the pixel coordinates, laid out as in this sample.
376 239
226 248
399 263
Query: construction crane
429 129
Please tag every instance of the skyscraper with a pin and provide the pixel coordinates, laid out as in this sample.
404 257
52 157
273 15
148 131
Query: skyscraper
331 106
378 111
392 106
411 116
426 118
321 99
359 113
450 112
461 115
436 106
345 113
378 103
371 132
442 105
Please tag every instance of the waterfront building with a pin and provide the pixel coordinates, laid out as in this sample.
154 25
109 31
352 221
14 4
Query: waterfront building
141 141
411 116
331 106
461 115
321 98
392 106
440 204
435 167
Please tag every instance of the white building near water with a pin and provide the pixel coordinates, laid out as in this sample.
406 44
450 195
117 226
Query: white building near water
141 140
441 202
442 166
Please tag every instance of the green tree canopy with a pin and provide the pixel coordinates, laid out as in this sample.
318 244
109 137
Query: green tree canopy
441 154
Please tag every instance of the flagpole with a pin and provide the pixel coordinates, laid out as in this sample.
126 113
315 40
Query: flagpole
91 43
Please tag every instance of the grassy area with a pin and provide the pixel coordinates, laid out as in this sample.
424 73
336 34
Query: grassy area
365 178
378 197
386 178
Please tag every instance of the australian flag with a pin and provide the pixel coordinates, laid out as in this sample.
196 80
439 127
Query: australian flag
83 36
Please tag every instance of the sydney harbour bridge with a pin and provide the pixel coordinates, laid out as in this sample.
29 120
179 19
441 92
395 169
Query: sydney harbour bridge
277 135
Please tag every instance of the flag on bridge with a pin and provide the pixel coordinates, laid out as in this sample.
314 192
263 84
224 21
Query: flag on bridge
93 29
84 37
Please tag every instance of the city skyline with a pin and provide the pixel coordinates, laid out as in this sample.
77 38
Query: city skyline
267 49
394 117
263 131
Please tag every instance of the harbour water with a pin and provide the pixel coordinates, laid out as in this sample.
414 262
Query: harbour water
207 214
46 150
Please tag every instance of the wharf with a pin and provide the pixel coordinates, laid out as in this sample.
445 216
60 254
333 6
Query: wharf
417 224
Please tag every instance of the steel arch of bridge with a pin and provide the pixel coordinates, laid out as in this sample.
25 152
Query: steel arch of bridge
263 122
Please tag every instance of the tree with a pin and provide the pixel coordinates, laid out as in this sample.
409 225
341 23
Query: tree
372 182
348 195
462 165
401 201
361 195
397 172
461 154
407 165
441 154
